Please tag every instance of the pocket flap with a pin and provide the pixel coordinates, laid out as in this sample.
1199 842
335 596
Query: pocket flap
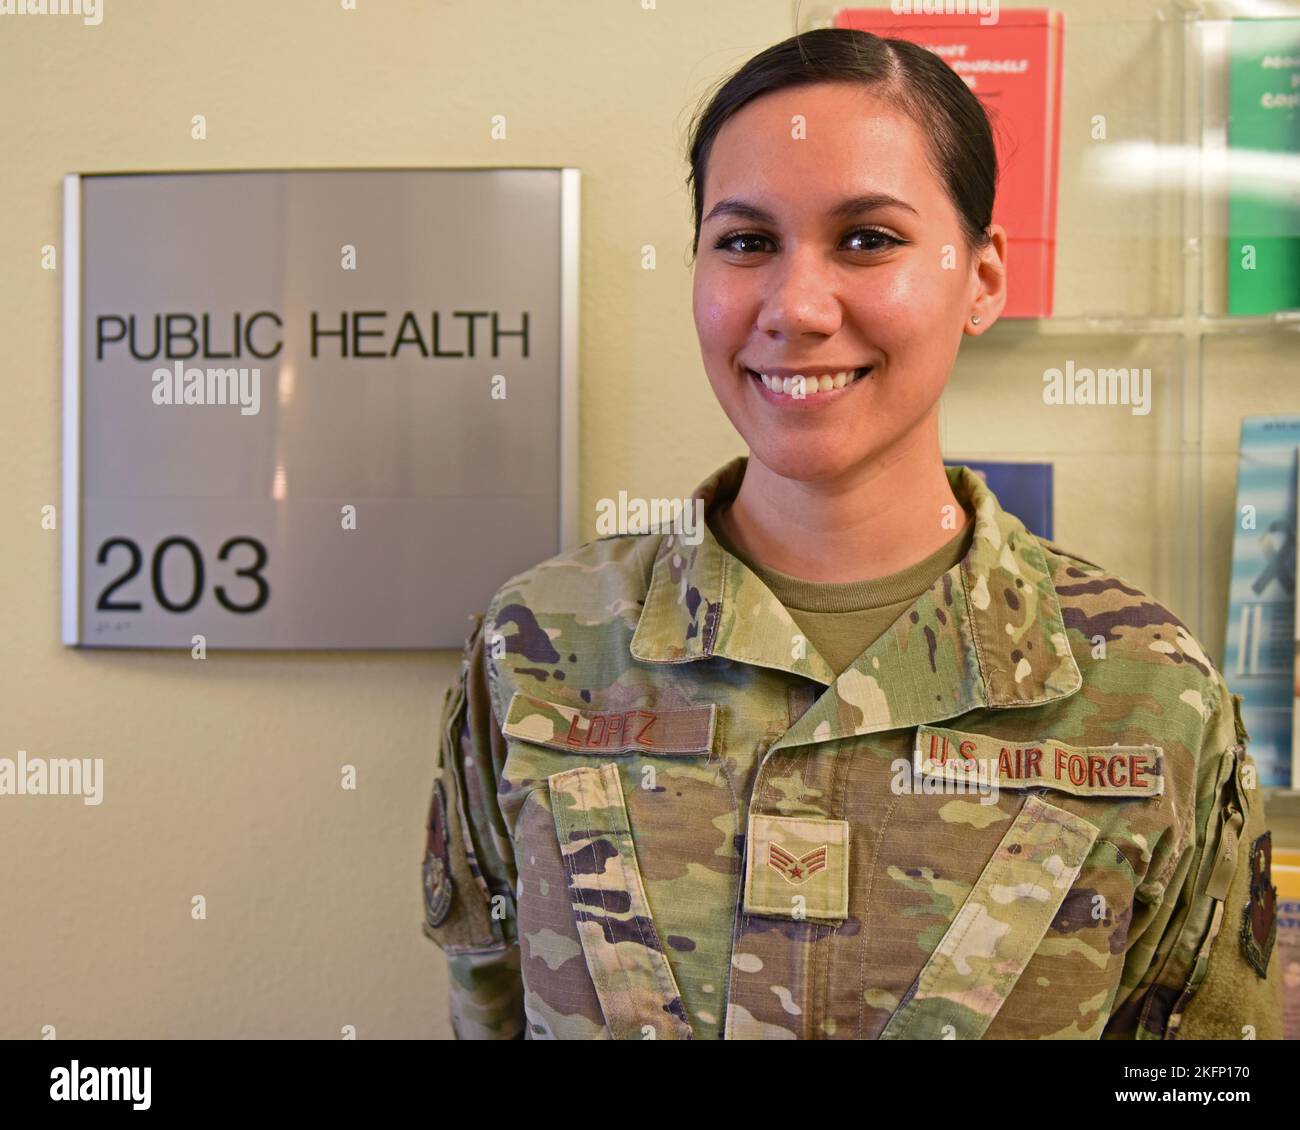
634 982
997 929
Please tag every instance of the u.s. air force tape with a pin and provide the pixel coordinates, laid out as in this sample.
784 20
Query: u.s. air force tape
1113 770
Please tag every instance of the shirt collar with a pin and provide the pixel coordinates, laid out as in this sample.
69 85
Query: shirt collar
987 634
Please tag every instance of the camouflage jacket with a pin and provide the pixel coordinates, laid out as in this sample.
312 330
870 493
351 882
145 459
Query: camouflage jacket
1026 810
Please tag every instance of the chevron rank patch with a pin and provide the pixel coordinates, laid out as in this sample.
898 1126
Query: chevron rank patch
1259 919
797 867
1114 770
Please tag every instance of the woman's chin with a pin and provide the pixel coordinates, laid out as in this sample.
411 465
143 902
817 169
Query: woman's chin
804 462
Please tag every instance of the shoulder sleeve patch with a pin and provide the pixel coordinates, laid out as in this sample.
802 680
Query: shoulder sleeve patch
460 873
1259 918
438 883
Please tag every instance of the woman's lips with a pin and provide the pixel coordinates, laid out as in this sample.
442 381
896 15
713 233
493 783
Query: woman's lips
809 399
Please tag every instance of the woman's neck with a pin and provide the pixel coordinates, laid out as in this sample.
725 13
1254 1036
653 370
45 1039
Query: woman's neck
872 521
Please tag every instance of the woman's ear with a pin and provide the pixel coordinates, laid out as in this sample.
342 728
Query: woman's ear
989 296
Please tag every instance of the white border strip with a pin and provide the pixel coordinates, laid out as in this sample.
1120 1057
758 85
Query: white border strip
570 250
70 518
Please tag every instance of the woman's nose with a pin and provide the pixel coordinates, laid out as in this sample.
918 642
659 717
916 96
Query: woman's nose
801 297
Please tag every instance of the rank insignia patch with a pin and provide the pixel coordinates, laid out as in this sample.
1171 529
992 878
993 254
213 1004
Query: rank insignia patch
438 884
1259 918
796 869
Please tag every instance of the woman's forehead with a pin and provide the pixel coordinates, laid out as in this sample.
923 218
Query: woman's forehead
827 106
794 155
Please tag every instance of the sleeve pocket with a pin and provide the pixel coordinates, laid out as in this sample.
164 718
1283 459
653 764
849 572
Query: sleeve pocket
457 906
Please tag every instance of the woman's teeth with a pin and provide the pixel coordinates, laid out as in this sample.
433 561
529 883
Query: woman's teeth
807 386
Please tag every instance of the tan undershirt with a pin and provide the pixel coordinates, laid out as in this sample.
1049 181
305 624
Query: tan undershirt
841 620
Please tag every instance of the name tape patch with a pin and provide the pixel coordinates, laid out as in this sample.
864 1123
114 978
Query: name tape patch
1114 770
682 730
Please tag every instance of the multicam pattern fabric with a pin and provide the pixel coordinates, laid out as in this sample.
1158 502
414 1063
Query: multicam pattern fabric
604 882
977 962
629 970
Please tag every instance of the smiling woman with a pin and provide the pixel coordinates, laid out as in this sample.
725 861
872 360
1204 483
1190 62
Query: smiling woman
720 786
843 188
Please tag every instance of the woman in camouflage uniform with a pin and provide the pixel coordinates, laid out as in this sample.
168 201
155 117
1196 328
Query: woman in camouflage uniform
861 757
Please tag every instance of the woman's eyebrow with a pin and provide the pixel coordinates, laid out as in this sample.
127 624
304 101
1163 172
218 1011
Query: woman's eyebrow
853 206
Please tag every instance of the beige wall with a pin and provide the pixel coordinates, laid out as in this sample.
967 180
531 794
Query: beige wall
222 777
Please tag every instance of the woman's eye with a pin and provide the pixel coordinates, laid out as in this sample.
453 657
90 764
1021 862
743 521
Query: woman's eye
879 241
726 243
886 240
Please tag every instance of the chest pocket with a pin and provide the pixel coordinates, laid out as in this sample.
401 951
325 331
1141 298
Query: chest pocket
625 956
608 905
998 927
1037 942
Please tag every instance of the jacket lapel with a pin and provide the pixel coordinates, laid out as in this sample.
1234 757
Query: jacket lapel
987 633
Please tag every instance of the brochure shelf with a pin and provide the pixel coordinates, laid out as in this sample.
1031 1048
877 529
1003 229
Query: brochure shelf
1145 487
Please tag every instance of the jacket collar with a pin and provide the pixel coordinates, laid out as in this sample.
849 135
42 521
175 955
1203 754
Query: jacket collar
987 634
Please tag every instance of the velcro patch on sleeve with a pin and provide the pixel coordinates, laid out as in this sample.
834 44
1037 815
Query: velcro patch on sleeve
684 730
1109 771
1259 919
438 884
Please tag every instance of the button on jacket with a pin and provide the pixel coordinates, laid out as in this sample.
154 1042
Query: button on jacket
1025 811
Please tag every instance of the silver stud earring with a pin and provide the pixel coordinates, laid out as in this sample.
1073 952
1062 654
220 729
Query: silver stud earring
975 318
